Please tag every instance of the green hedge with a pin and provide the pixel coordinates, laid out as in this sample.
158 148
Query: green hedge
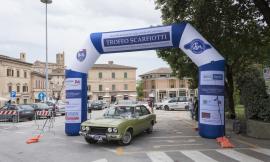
253 94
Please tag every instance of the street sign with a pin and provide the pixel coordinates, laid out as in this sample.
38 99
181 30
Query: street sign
13 94
41 96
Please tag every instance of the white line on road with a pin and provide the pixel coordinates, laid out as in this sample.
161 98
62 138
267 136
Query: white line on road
80 142
184 144
159 157
262 150
238 156
101 160
198 156
175 137
20 132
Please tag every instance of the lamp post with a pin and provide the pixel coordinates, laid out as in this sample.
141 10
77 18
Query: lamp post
46 69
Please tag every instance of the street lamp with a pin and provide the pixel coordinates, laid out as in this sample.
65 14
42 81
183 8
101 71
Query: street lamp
46 69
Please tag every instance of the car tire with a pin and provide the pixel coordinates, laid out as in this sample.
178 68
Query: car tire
90 140
126 139
150 129
166 108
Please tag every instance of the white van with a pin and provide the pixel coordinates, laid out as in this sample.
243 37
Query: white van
176 103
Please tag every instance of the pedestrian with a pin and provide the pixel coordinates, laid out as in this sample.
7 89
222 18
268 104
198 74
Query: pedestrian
191 108
196 108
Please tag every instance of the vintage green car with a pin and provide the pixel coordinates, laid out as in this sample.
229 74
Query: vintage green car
119 123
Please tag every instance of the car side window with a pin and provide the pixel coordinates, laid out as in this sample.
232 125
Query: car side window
138 111
173 100
144 110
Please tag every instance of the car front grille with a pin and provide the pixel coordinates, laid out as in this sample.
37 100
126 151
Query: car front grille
98 130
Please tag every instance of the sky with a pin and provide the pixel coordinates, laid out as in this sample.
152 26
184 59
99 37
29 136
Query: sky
69 24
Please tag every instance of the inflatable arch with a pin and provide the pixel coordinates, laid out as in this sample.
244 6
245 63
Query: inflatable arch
183 36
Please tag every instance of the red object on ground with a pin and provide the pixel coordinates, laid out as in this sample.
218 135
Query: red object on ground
34 139
225 142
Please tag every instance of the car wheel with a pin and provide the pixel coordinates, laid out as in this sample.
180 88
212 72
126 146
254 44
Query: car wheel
126 139
166 108
90 140
150 129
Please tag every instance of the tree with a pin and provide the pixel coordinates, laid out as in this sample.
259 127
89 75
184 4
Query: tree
264 8
139 90
237 31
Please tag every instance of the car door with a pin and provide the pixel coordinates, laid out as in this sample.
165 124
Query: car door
173 103
182 102
146 117
139 119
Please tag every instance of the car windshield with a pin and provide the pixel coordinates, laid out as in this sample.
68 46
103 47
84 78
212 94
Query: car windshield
26 107
120 112
42 106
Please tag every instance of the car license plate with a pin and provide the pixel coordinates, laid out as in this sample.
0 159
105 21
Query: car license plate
97 137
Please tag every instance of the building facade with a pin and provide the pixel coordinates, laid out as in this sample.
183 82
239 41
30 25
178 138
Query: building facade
161 84
56 73
38 85
15 75
111 82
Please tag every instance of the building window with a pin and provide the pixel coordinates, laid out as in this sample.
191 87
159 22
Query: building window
100 87
9 88
18 88
125 75
25 88
172 83
10 72
153 84
113 87
113 75
25 101
125 87
18 100
89 88
100 75
25 74
18 73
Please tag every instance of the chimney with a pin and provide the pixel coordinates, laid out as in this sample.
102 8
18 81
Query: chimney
110 62
22 56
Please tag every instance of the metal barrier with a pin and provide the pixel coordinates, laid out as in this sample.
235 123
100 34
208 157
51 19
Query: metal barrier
8 118
44 119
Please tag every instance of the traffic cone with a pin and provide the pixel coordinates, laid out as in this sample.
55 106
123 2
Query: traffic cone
225 142
34 139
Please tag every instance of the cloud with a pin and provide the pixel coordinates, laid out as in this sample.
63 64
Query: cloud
69 24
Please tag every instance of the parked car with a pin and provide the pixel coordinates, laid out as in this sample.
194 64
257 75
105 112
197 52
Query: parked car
96 105
176 103
25 112
119 123
41 106
60 107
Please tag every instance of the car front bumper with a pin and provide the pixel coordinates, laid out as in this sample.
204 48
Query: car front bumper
98 137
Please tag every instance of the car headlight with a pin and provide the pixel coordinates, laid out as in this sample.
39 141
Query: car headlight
109 130
83 128
115 130
87 128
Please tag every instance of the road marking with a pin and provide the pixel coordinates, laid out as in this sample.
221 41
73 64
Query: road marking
101 160
184 144
20 132
262 150
238 156
197 156
176 137
245 142
159 157
80 142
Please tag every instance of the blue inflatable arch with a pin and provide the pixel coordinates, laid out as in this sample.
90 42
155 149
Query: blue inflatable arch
183 36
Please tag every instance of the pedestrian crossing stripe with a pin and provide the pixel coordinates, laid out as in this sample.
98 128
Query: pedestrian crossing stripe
198 156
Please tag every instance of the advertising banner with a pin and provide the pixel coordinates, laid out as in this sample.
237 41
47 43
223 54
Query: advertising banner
73 99
130 40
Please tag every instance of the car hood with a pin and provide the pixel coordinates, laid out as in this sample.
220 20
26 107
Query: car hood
104 122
